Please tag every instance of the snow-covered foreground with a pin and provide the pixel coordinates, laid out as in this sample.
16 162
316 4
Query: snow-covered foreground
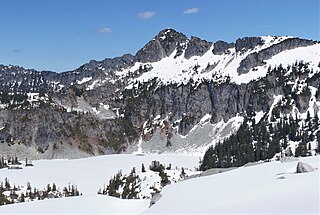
254 189
87 204
89 174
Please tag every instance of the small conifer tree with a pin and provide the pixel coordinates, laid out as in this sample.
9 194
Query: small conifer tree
143 169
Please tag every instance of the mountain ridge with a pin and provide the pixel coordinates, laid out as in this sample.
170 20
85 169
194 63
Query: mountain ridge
244 41
176 95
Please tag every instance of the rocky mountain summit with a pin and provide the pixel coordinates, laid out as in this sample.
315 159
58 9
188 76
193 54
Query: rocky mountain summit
176 94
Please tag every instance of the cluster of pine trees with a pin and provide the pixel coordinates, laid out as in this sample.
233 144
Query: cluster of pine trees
14 99
4 163
10 161
71 191
16 194
156 166
129 185
21 100
262 141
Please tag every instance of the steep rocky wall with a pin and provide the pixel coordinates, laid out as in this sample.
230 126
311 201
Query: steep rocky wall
258 58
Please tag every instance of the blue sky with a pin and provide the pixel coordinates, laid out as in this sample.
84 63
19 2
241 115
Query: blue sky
61 35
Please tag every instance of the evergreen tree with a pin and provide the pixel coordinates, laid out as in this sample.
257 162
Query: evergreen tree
208 161
143 169
7 184
285 143
316 121
3 199
65 191
48 188
308 120
164 178
182 171
22 198
28 186
271 150
258 154
156 166
301 150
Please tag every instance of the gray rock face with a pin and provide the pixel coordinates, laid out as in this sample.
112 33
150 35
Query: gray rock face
45 81
122 62
220 47
303 167
162 46
46 127
257 59
48 82
249 62
156 197
197 47
247 43
221 101
30 80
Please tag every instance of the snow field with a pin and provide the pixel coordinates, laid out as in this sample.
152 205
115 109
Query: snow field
89 174
254 189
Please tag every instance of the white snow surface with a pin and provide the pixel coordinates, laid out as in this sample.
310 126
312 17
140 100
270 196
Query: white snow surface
309 54
246 190
84 80
89 173
254 189
89 204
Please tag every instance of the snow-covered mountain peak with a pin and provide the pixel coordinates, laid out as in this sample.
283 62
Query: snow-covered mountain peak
162 46
183 59
169 33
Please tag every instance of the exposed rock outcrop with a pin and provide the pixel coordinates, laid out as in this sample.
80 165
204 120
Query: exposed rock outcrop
197 47
247 43
221 47
162 46
303 168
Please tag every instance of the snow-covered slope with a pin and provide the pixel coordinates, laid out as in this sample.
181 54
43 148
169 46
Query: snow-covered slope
89 174
255 189
218 67
89 204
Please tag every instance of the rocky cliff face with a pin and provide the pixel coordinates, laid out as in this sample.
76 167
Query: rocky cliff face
175 95
162 46
258 58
